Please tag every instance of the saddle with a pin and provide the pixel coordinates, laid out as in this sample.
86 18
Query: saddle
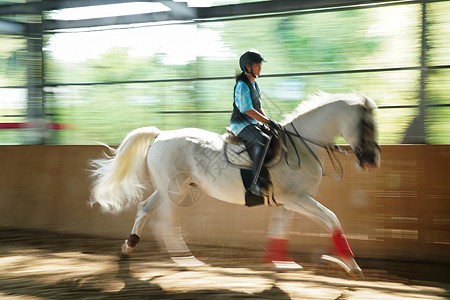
236 156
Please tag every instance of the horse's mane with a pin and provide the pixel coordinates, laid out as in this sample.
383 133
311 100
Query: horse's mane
320 99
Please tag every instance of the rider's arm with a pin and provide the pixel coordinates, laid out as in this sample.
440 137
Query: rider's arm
261 111
257 115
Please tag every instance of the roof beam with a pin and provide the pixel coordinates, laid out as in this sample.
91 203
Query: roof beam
181 8
280 6
119 20
11 28
273 6
47 5
180 11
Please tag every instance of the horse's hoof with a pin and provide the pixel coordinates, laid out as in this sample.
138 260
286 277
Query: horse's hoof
356 274
335 261
125 249
289 265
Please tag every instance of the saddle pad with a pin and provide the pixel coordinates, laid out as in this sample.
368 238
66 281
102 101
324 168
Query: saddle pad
237 156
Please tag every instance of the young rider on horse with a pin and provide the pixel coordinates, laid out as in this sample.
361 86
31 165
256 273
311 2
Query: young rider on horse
247 111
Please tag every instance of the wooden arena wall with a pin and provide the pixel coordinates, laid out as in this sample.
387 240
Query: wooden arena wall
400 211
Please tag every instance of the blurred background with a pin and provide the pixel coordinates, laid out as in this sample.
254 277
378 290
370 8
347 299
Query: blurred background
77 72
81 72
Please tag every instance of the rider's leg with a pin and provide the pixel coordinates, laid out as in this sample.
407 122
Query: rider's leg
144 210
255 141
258 158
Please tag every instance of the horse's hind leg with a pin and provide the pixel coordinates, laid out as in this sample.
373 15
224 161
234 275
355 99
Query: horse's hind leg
308 206
144 210
170 227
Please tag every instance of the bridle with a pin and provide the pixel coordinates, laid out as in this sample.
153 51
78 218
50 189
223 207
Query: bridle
366 133
367 136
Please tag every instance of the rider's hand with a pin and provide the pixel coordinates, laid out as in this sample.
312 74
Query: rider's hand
274 124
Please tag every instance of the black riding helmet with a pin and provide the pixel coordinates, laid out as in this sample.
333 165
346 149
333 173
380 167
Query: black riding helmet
250 57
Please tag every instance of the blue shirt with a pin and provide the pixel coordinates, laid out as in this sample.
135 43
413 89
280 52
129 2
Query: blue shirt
243 102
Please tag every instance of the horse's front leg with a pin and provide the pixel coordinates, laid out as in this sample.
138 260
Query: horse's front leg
277 249
308 206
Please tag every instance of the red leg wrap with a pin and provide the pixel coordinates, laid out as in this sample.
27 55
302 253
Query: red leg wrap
342 244
277 250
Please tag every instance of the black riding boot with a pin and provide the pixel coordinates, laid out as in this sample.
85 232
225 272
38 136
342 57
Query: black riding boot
258 154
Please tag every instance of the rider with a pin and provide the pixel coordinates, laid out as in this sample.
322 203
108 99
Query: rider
247 111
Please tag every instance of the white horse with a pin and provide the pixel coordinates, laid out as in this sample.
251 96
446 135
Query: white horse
120 179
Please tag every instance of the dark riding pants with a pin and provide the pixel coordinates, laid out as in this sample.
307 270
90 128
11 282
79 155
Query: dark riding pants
254 138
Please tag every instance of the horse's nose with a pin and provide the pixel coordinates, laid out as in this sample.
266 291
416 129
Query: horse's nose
371 156
367 156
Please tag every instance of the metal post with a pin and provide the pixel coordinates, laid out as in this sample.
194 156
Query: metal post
35 104
415 134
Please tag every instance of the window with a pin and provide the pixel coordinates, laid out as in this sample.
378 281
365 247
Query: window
102 82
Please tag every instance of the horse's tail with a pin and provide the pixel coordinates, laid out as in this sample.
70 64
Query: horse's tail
119 178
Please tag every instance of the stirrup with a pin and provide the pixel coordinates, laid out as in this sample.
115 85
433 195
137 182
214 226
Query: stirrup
270 201
256 189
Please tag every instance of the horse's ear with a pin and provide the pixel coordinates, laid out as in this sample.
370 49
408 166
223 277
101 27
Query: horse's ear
369 104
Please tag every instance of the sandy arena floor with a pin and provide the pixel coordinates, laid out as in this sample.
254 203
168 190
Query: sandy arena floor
38 265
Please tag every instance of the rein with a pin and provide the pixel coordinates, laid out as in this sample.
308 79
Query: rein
331 151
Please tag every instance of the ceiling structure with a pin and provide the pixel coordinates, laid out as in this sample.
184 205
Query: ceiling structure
35 18
17 15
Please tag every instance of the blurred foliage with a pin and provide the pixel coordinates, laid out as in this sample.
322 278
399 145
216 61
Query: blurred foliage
438 33
438 90
12 61
383 37
12 73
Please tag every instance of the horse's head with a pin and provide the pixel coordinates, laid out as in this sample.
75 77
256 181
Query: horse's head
324 116
357 126
366 147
